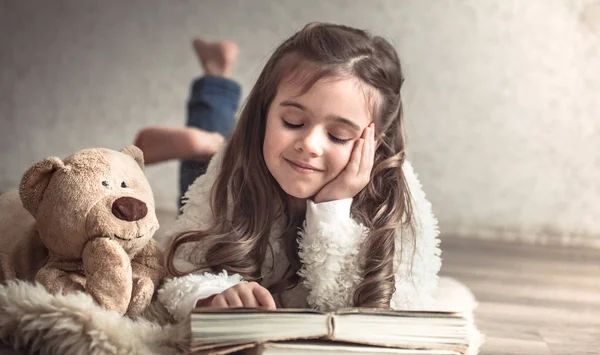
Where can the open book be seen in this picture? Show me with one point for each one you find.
(423, 332)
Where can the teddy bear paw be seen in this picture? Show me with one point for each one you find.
(141, 295)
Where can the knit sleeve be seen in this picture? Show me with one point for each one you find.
(328, 248)
(180, 294)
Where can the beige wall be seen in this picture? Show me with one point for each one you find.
(502, 97)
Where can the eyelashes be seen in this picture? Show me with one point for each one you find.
(333, 138)
(291, 126)
(336, 140)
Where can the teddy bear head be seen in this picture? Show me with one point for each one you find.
(94, 193)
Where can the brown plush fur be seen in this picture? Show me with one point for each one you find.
(85, 223)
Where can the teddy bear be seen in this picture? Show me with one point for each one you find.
(85, 223)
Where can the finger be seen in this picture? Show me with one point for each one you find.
(264, 298)
(368, 154)
(248, 299)
(354, 164)
(233, 299)
(365, 133)
(219, 302)
(364, 157)
(206, 302)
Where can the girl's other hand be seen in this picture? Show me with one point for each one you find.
(247, 295)
(357, 173)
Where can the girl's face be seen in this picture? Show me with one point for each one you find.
(309, 138)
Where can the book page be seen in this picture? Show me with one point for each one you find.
(331, 348)
(210, 329)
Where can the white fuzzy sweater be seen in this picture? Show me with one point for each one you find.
(329, 245)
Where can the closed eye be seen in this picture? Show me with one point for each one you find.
(337, 140)
(333, 138)
(291, 126)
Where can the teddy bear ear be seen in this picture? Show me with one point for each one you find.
(36, 180)
(136, 153)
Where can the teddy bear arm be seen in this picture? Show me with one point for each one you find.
(56, 280)
(149, 262)
(107, 268)
(141, 295)
(148, 271)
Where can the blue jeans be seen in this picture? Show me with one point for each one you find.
(211, 107)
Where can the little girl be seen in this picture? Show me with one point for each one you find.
(311, 202)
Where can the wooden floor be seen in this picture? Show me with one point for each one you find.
(532, 299)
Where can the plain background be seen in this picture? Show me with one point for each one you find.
(502, 97)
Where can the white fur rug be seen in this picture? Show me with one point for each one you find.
(34, 321)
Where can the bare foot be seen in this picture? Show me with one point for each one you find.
(216, 58)
(166, 143)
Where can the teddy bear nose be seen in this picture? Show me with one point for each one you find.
(129, 209)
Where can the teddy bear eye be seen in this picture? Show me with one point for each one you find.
(104, 183)
(123, 185)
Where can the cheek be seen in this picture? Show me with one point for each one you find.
(338, 159)
(277, 139)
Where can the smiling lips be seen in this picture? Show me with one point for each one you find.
(303, 168)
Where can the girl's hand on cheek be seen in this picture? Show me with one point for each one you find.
(247, 295)
(357, 173)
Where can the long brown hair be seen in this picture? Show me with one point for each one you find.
(245, 198)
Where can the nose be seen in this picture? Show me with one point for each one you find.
(129, 209)
(310, 143)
